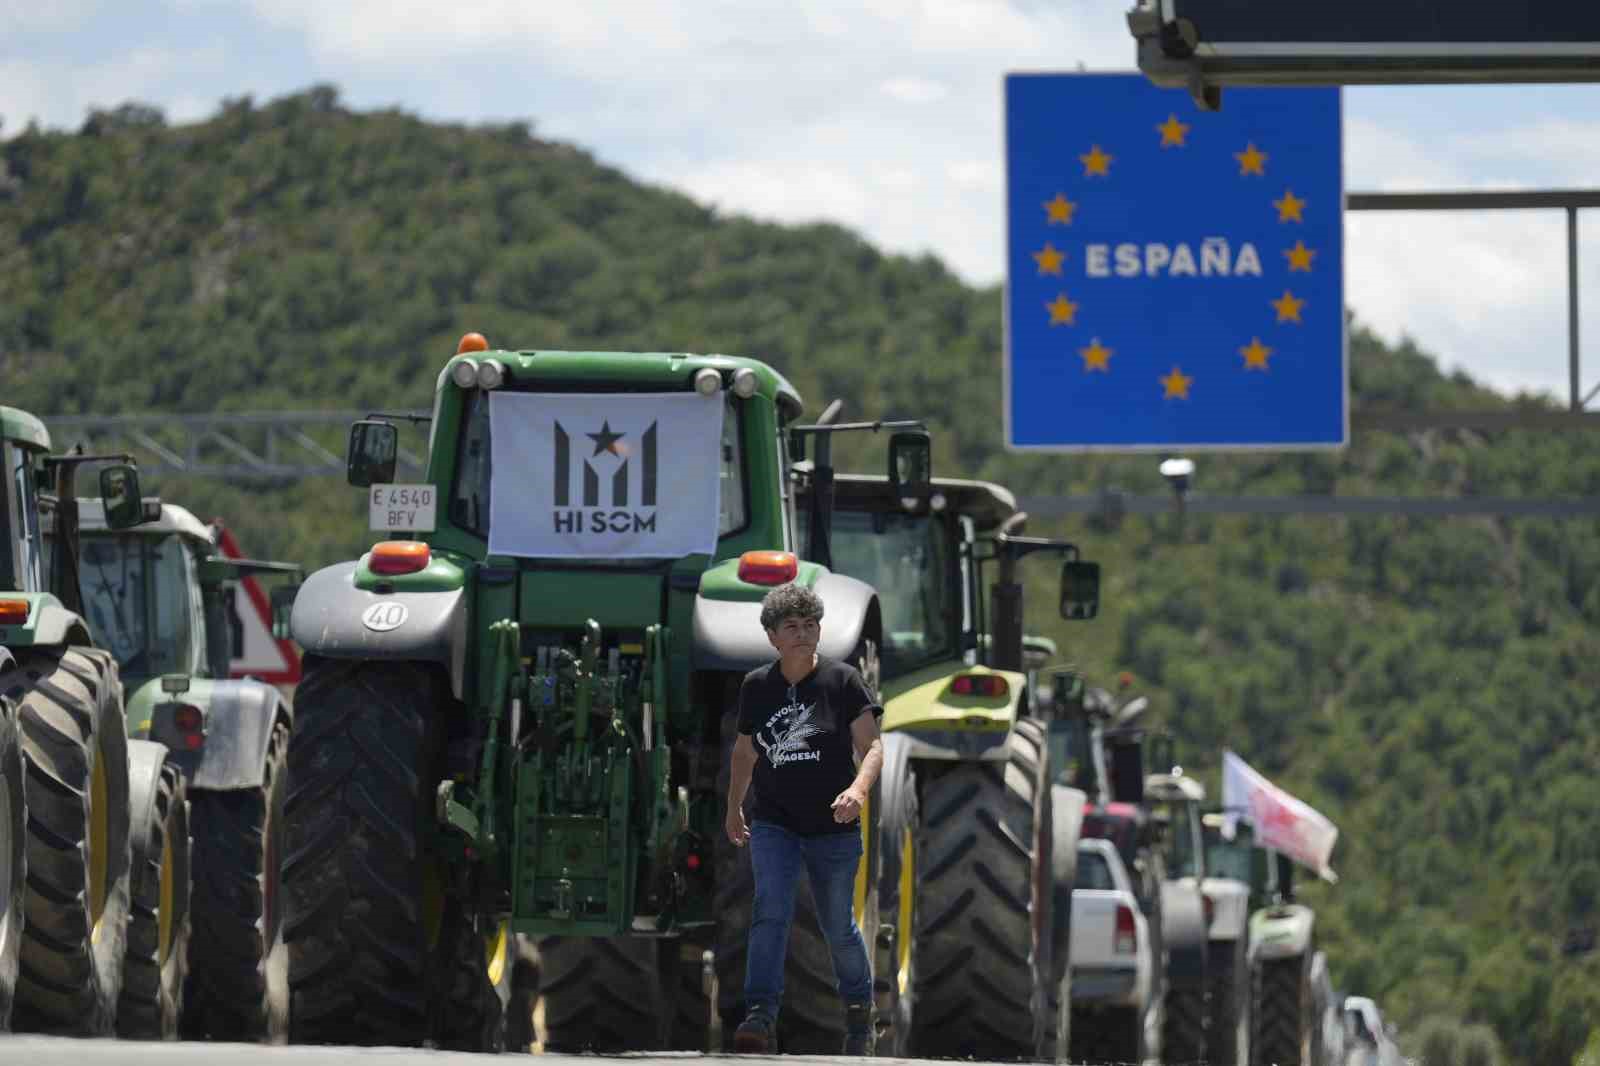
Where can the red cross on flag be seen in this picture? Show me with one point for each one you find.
(1281, 821)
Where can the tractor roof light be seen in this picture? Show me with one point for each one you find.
(399, 557)
(707, 382)
(13, 612)
(472, 342)
(744, 383)
(465, 373)
(768, 567)
(491, 374)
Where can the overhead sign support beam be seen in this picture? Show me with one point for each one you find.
(1206, 45)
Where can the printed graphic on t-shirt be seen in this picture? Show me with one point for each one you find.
(783, 737)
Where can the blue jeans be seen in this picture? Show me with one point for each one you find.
(830, 860)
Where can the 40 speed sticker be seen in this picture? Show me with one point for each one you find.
(383, 616)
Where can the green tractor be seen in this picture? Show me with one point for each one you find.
(96, 940)
(515, 719)
(980, 830)
(156, 596)
(1284, 1022)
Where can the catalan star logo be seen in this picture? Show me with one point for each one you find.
(1096, 162)
(1173, 132)
(1049, 259)
(1288, 307)
(1176, 384)
(1289, 207)
(605, 440)
(1252, 160)
(1062, 310)
(1059, 210)
(1300, 256)
(1255, 354)
(1096, 357)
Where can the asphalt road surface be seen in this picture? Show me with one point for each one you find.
(57, 1051)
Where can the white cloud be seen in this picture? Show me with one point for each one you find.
(913, 90)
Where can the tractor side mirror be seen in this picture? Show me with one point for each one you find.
(373, 447)
(282, 606)
(119, 495)
(911, 464)
(1080, 590)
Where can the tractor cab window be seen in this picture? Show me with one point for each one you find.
(1182, 856)
(469, 497)
(1230, 860)
(22, 522)
(907, 558)
(136, 598)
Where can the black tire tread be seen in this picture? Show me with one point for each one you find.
(1183, 1027)
(473, 1017)
(982, 867)
(69, 703)
(152, 1002)
(1226, 969)
(359, 786)
(1278, 1012)
(602, 994)
(13, 837)
(1106, 1036)
(229, 986)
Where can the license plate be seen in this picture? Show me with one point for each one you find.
(403, 507)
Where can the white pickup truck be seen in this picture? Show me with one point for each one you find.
(1116, 1014)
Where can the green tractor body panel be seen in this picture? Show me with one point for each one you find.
(48, 624)
(588, 692)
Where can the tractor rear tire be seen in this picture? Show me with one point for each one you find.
(1228, 970)
(984, 927)
(159, 919)
(362, 766)
(602, 994)
(237, 960)
(75, 741)
(894, 987)
(1280, 1012)
(1114, 1036)
(1183, 1030)
(684, 980)
(474, 971)
(13, 856)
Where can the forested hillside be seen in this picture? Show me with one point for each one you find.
(1428, 683)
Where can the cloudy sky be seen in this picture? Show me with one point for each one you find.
(882, 115)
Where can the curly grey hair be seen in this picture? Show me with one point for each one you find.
(789, 601)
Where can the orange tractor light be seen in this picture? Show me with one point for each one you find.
(472, 342)
(768, 567)
(399, 557)
(13, 612)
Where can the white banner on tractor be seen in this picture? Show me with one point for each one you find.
(608, 476)
(1281, 821)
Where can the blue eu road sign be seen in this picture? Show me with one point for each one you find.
(1174, 277)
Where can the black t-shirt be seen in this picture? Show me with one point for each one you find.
(804, 754)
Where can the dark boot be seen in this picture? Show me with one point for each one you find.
(858, 1034)
(754, 1035)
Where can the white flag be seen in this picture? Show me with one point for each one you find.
(1281, 821)
(604, 476)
